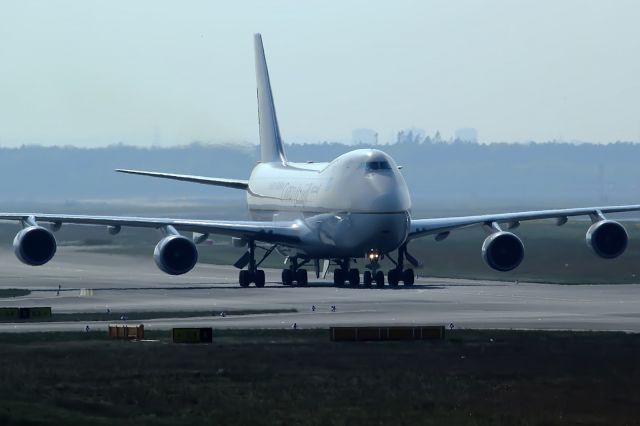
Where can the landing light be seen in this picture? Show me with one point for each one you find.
(373, 255)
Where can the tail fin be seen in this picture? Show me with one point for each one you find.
(271, 148)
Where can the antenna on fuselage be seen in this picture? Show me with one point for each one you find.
(271, 148)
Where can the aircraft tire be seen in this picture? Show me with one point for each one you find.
(379, 279)
(244, 278)
(338, 277)
(367, 279)
(408, 277)
(354, 277)
(259, 278)
(393, 277)
(302, 277)
(287, 277)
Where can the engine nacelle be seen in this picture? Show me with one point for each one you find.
(502, 251)
(607, 238)
(34, 245)
(175, 255)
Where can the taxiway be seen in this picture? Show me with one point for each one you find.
(133, 284)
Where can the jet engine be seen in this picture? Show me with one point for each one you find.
(607, 238)
(175, 255)
(34, 245)
(502, 251)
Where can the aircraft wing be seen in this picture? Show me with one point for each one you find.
(424, 227)
(229, 183)
(272, 232)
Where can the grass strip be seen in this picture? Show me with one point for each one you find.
(147, 315)
(13, 292)
(263, 377)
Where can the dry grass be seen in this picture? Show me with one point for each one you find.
(299, 377)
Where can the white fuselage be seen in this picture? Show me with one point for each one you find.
(355, 203)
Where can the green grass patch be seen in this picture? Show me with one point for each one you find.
(147, 315)
(300, 377)
(13, 292)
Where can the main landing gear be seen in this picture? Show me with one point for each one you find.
(252, 274)
(373, 275)
(343, 274)
(247, 277)
(369, 278)
(351, 276)
(294, 275)
(407, 276)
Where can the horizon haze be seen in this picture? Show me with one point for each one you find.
(159, 73)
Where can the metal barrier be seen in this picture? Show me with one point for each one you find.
(192, 335)
(41, 312)
(126, 332)
(38, 312)
(7, 314)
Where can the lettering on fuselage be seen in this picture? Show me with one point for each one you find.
(299, 194)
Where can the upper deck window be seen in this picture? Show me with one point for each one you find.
(378, 165)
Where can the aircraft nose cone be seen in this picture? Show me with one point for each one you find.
(384, 231)
(381, 193)
(391, 201)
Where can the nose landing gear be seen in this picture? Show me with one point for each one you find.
(374, 275)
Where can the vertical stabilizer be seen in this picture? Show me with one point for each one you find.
(271, 149)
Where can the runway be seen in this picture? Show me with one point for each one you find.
(132, 284)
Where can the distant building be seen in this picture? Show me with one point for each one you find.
(364, 136)
(467, 134)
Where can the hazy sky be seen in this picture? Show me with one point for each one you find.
(170, 72)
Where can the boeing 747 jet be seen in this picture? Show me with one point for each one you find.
(354, 207)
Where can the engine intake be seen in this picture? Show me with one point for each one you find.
(607, 238)
(34, 245)
(502, 251)
(175, 255)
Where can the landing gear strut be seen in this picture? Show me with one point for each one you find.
(407, 276)
(252, 274)
(343, 274)
(294, 274)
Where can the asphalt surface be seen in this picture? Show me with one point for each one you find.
(132, 284)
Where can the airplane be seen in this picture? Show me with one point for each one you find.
(357, 206)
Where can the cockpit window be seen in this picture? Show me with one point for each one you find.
(378, 165)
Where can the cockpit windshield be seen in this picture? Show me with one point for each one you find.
(377, 165)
